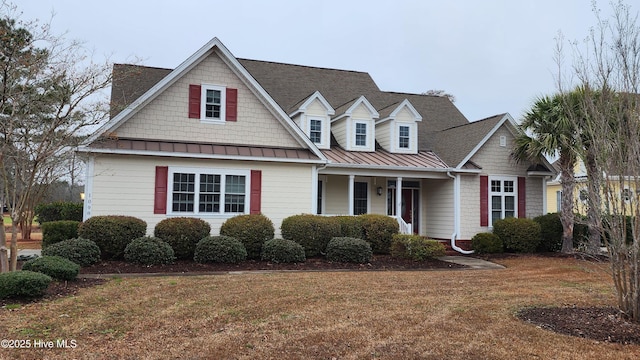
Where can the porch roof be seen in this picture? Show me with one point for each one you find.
(382, 158)
(194, 149)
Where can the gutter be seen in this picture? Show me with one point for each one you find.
(456, 214)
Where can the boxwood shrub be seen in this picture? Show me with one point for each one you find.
(23, 284)
(378, 230)
(486, 243)
(550, 232)
(351, 250)
(220, 249)
(283, 251)
(182, 233)
(416, 247)
(58, 211)
(518, 235)
(112, 233)
(350, 226)
(313, 232)
(56, 231)
(83, 252)
(55, 266)
(148, 250)
(252, 230)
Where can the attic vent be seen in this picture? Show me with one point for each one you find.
(503, 141)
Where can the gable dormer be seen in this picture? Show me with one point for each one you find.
(397, 130)
(313, 116)
(354, 125)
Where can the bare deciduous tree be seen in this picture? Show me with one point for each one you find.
(49, 94)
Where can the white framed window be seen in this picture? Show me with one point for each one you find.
(200, 191)
(315, 130)
(212, 104)
(361, 134)
(404, 138)
(503, 193)
(626, 195)
(360, 197)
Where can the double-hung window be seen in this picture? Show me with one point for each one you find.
(315, 131)
(361, 134)
(403, 137)
(208, 191)
(503, 195)
(213, 103)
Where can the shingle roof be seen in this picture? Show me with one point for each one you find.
(454, 144)
(289, 85)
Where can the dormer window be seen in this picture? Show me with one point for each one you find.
(361, 134)
(403, 137)
(315, 130)
(212, 105)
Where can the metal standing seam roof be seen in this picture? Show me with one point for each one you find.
(202, 149)
(421, 160)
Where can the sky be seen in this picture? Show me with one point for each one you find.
(493, 56)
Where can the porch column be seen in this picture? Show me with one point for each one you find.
(352, 179)
(399, 197)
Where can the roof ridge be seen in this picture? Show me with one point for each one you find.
(144, 66)
(477, 121)
(304, 66)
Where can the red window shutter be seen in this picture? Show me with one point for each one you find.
(484, 201)
(522, 197)
(194, 101)
(231, 105)
(256, 191)
(160, 197)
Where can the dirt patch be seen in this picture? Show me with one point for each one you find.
(378, 262)
(597, 323)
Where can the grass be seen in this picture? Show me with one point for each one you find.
(343, 315)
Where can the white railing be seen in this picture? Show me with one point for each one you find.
(405, 228)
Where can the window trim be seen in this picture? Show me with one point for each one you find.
(366, 181)
(502, 194)
(322, 130)
(367, 134)
(208, 171)
(203, 104)
(400, 137)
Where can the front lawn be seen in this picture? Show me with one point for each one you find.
(452, 314)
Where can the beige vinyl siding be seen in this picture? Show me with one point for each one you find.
(166, 117)
(383, 134)
(337, 192)
(125, 186)
(339, 130)
(535, 197)
(470, 207)
(437, 208)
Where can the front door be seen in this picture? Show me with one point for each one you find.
(410, 201)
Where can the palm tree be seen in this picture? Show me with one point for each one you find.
(552, 133)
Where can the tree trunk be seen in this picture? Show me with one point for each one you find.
(594, 219)
(13, 262)
(4, 258)
(567, 180)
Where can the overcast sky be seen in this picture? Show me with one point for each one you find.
(494, 56)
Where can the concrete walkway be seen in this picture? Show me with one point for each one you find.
(473, 263)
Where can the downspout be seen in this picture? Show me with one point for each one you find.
(456, 214)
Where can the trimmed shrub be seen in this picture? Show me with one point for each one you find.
(283, 251)
(56, 231)
(550, 232)
(182, 233)
(83, 252)
(112, 233)
(416, 247)
(55, 266)
(518, 234)
(350, 226)
(220, 249)
(486, 243)
(351, 250)
(58, 211)
(313, 232)
(378, 230)
(252, 230)
(23, 284)
(149, 250)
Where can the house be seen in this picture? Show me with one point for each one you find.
(220, 136)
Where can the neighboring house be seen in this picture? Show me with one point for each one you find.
(220, 136)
